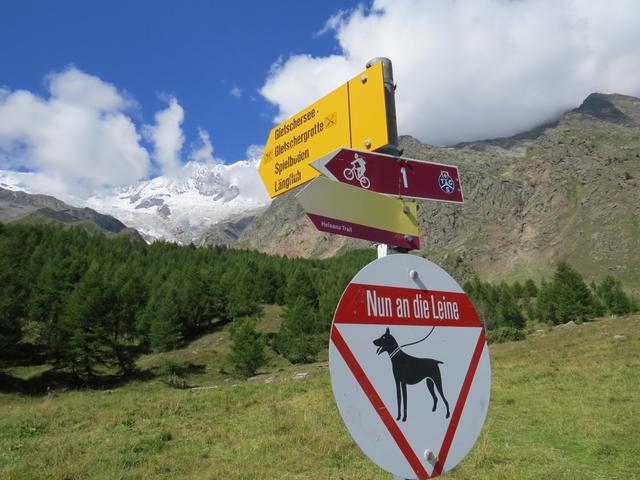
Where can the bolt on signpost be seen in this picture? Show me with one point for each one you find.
(408, 359)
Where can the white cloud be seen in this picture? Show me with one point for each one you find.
(236, 92)
(167, 137)
(334, 22)
(204, 153)
(79, 141)
(76, 140)
(254, 152)
(86, 91)
(473, 69)
(246, 177)
(302, 79)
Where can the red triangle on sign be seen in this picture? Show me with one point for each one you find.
(376, 380)
(389, 420)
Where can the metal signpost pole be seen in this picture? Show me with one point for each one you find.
(392, 127)
(390, 102)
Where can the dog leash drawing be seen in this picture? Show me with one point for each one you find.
(392, 354)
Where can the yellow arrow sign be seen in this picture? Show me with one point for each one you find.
(334, 207)
(353, 115)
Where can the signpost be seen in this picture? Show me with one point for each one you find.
(392, 175)
(409, 363)
(353, 115)
(354, 212)
(409, 366)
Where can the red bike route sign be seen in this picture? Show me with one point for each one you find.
(410, 367)
(401, 177)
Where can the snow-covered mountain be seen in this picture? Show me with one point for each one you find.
(177, 209)
(180, 209)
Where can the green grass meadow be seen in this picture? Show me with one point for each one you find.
(565, 405)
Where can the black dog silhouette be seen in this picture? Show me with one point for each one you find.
(408, 370)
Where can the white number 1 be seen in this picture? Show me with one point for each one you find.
(404, 177)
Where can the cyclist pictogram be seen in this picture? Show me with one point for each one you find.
(357, 170)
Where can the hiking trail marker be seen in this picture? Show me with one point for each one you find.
(345, 210)
(391, 175)
(353, 115)
(409, 366)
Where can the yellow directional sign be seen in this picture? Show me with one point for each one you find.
(353, 115)
(335, 207)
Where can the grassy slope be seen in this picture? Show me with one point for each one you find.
(564, 406)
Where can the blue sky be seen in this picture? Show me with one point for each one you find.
(97, 94)
(198, 51)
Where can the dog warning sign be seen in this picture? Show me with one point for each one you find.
(409, 366)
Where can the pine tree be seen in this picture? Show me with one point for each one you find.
(10, 328)
(298, 339)
(508, 311)
(328, 299)
(517, 290)
(546, 302)
(574, 300)
(247, 347)
(530, 290)
(163, 319)
(11, 310)
(567, 297)
(483, 300)
(83, 325)
(613, 297)
(300, 287)
(240, 296)
(129, 295)
(241, 303)
(52, 286)
(12, 292)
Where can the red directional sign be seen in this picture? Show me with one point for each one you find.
(409, 366)
(391, 175)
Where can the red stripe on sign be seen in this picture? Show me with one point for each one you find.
(378, 404)
(355, 230)
(378, 305)
(407, 322)
(457, 411)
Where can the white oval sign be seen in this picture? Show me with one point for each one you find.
(410, 366)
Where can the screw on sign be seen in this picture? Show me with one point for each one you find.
(410, 366)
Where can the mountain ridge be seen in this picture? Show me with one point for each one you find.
(564, 191)
(21, 207)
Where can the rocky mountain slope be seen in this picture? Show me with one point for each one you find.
(564, 191)
(21, 207)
